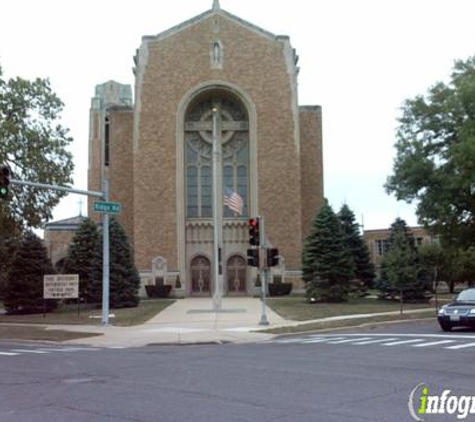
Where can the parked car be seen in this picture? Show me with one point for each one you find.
(459, 313)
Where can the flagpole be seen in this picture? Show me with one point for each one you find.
(217, 212)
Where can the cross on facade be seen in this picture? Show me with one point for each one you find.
(226, 125)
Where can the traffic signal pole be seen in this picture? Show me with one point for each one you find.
(264, 270)
(105, 233)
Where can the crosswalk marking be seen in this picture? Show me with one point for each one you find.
(433, 343)
(46, 350)
(397, 343)
(461, 346)
(348, 340)
(447, 342)
(379, 340)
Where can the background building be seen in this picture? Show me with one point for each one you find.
(377, 241)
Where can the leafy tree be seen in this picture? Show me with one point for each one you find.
(124, 277)
(84, 257)
(463, 270)
(400, 267)
(33, 143)
(435, 164)
(364, 269)
(432, 258)
(24, 289)
(326, 262)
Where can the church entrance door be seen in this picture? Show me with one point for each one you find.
(236, 269)
(200, 276)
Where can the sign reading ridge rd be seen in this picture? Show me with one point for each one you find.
(107, 207)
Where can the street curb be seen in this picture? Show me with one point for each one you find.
(349, 327)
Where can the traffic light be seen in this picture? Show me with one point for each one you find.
(254, 231)
(272, 257)
(253, 257)
(4, 180)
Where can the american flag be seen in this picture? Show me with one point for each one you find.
(233, 201)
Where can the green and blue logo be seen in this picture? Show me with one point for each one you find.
(421, 403)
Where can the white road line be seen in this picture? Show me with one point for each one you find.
(380, 340)
(396, 343)
(68, 349)
(348, 340)
(461, 346)
(433, 343)
(289, 340)
(9, 354)
(28, 351)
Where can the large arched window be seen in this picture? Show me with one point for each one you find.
(235, 149)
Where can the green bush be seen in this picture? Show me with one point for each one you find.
(158, 291)
(280, 289)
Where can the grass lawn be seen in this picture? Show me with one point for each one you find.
(296, 308)
(68, 314)
(28, 332)
(332, 325)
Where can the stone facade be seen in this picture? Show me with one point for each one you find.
(212, 57)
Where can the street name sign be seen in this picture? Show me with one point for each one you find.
(61, 286)
(107, 207)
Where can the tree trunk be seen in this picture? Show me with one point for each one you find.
(401, 300)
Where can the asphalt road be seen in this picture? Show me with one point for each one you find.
(326, 377)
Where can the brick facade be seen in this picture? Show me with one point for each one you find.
(146, 172)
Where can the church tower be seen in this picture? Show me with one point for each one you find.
(271, 150)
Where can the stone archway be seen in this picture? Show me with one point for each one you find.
(200, 269)
(236, 270)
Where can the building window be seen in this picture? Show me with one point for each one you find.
(381, 246)
(235, 155)
(106, 141)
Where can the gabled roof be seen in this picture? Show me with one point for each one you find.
(68, 224)
(214, 11)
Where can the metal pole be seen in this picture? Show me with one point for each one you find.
(217, 211)
(105, 225)
(263, 270)
(57, 187)
(105, 259)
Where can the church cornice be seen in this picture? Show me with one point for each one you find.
(216, 10)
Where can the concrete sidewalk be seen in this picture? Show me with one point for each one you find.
(188, 321)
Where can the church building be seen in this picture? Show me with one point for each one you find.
(219, 81)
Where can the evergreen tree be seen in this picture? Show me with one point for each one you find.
(124, 277)
(400, 266)
(24, 289)
(326, 262)
(84, 257)
(364, 269)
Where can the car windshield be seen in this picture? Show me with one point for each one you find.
(467, 296)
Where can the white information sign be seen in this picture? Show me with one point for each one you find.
(61, 286)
